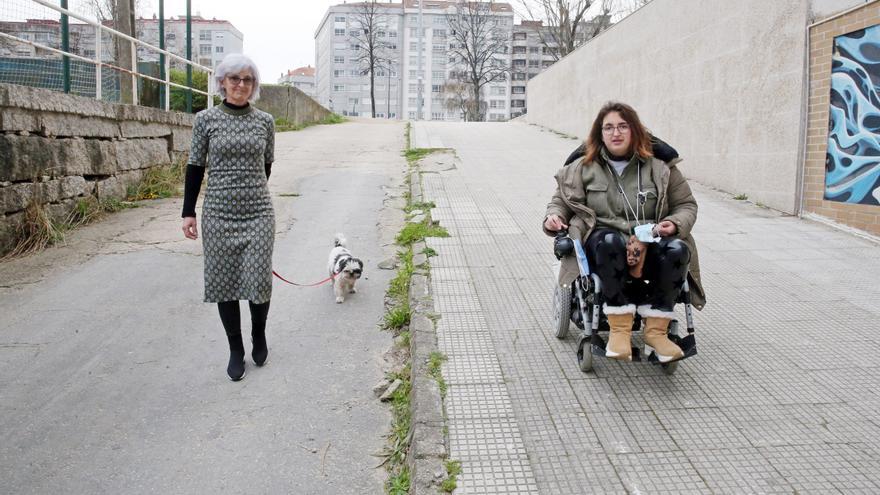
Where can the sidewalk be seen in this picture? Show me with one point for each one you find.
(782, 396)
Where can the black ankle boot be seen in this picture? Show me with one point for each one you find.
(235, 369)
(261, 350)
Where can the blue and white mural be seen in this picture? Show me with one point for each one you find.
(852, 164)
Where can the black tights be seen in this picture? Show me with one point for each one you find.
(230, 315)
(666, 266)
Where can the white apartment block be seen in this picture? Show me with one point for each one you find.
(212, 39)
(414, 88)
(529, 57)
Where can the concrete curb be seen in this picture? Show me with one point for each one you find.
(427, 451)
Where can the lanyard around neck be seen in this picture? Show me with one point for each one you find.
(641, 195)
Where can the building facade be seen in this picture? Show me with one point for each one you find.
(302, 78)
(212, 39)
(420, 45)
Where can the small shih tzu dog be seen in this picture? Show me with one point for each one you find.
(344, 268)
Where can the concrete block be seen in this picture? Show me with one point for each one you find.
(16, 120)
(181, 138)
(141, 153)
(67, 125)
(9, 227)
(426, 476)
(421, 324)
(428, 442)
(60, 212)
(16, 197)
(111, 187)
(71, 186)
(138, 129)
(25, 157)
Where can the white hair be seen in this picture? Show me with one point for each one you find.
(234, 63)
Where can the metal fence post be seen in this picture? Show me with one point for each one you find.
(99, 83)
(134, 70)
(65, 46)
(162, 73)
(189, 69)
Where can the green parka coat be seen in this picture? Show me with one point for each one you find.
(675, 203)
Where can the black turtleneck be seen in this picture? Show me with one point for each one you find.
(194, 176)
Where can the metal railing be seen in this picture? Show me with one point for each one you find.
(16, 32)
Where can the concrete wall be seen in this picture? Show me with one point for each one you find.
(821, 9)
(722, 81)
(841, 174)
(290, 103)
(57, 149)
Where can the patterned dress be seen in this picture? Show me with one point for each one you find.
(238, 221)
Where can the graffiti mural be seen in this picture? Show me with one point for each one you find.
(852, 163)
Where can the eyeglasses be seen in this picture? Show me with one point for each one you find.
(621, 128)
(235, 80)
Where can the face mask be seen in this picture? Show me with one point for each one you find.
(645, 232)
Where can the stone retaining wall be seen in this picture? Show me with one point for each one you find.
(57, 149)
(291, 104)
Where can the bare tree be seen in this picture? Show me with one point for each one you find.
(459, 96)
(370, 23)
(479, 48)
(566, 24)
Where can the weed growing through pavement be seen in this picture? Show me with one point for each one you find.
(453, 469)
(289, 195)
(741, 197)
(415, 232)
(435, 362)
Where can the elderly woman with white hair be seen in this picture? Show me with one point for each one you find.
(235, 143)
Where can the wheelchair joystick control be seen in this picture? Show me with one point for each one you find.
(562, 244)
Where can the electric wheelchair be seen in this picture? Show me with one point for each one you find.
(581, 303)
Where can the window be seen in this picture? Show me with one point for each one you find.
(204, 49)
(413, 101)
(339, 32)
(439, 60)
(392, 34)
(354, 73)
(413, 74)
(413, 45)
(355, 46)
(353, 101)
(354, 32)
(435, 88)
(534, 64)
(439, 33)
(412, 115)
(218, 49)
(381, 34)
(497, 104)
(436, 115)
(437, 74)
(218, 36)
(338, 59)
(204, 35)
(439, 48)
(519, 49)
(498, 91)
(520, 36)
(439, 20)
(519, 76)
(519, 62)
(339, 73)
(517, 103)
(518, 90)
(413, 88)
(532, 49)
(339, 19)
(338, 87)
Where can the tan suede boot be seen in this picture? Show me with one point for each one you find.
(620, 339)
(655, 336)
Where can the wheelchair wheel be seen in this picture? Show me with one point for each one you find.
(561, 311)
(585, 356)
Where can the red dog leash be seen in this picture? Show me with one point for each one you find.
(331, 277)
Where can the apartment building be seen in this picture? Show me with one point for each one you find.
(212, 39)
(302, 78)
(421, 39)
(530, 55)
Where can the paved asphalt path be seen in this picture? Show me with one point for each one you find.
(113, 368)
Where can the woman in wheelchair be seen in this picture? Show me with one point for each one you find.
(620, 188)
